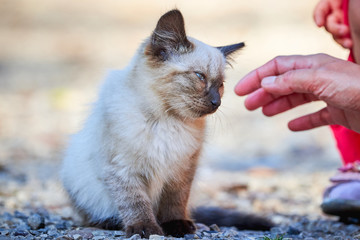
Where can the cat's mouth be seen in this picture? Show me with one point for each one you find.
(202, 111)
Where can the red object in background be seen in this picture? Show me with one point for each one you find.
(348, 141)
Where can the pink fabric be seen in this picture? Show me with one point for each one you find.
(348, 141)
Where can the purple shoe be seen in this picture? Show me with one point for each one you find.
(343, 197)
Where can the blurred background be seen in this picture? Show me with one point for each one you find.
(54, 55)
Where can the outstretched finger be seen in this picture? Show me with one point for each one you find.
(286, 103)
(310, 121)
(252, 81)
(297, 81)
(276, 66)
(258, 99)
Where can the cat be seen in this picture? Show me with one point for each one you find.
(133, 163)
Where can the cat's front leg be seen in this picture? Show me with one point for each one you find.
(135, 208)
(173, 212)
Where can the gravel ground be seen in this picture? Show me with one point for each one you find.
(33, 206)
(42, 225)
(250, 162)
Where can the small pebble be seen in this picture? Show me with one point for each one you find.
(119, 233)
(197, 236)
(189, 236)
(337, 238)
(215, 227)
(4, 232)
(98, 237)
(83, 233)
(206, 234)
(230, 233)
(277, 230)
(63, 238)
(293, 231)
(77, 236)
(206, 238)
(61, 226)
(202, 227)
(21, 215)
(352, 228)
(21, 233)
(99, 233)
(135, 237)
(7, 216)
(340, 233)
(156, 237)
(35, 221)
(52, 233)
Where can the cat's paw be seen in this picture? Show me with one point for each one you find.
(178, 228)
(143, 229)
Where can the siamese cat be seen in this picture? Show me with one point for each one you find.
(132, 165)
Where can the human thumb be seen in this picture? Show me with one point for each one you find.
(275, 85)
(300, 81)
(268, 81)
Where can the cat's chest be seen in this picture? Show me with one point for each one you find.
(156, 147)
(173, 141)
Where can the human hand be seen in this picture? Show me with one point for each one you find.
(289, 81)
(329, 14)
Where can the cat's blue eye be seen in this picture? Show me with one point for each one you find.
(200, 76)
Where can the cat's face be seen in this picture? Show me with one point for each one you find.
(192, 85)
(192, 72)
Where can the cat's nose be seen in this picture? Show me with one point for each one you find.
(215, 98)
(215, 103)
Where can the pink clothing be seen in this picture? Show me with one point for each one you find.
(348, 141)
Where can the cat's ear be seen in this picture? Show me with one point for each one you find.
(169, 36)
(227, 51)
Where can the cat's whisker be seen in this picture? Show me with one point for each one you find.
(220, 116)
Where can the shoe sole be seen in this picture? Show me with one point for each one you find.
(341, 207)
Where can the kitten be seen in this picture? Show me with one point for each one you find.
(133, 163)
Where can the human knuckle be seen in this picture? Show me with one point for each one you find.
(279, 58)
(287, 77)
(321, 55)
(324, 117)
(315, 82)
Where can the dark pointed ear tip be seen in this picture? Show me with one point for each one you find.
(170, 36)
(230, 49)
(170, 19)
(238, 45)
(172, 13)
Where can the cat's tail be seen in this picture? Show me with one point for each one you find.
(230, 218)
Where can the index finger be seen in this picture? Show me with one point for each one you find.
(277, 66)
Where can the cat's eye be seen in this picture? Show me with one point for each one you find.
(201, 76)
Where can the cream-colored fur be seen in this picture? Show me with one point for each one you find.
(145, 133)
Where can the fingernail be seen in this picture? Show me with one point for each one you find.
(268, 81)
